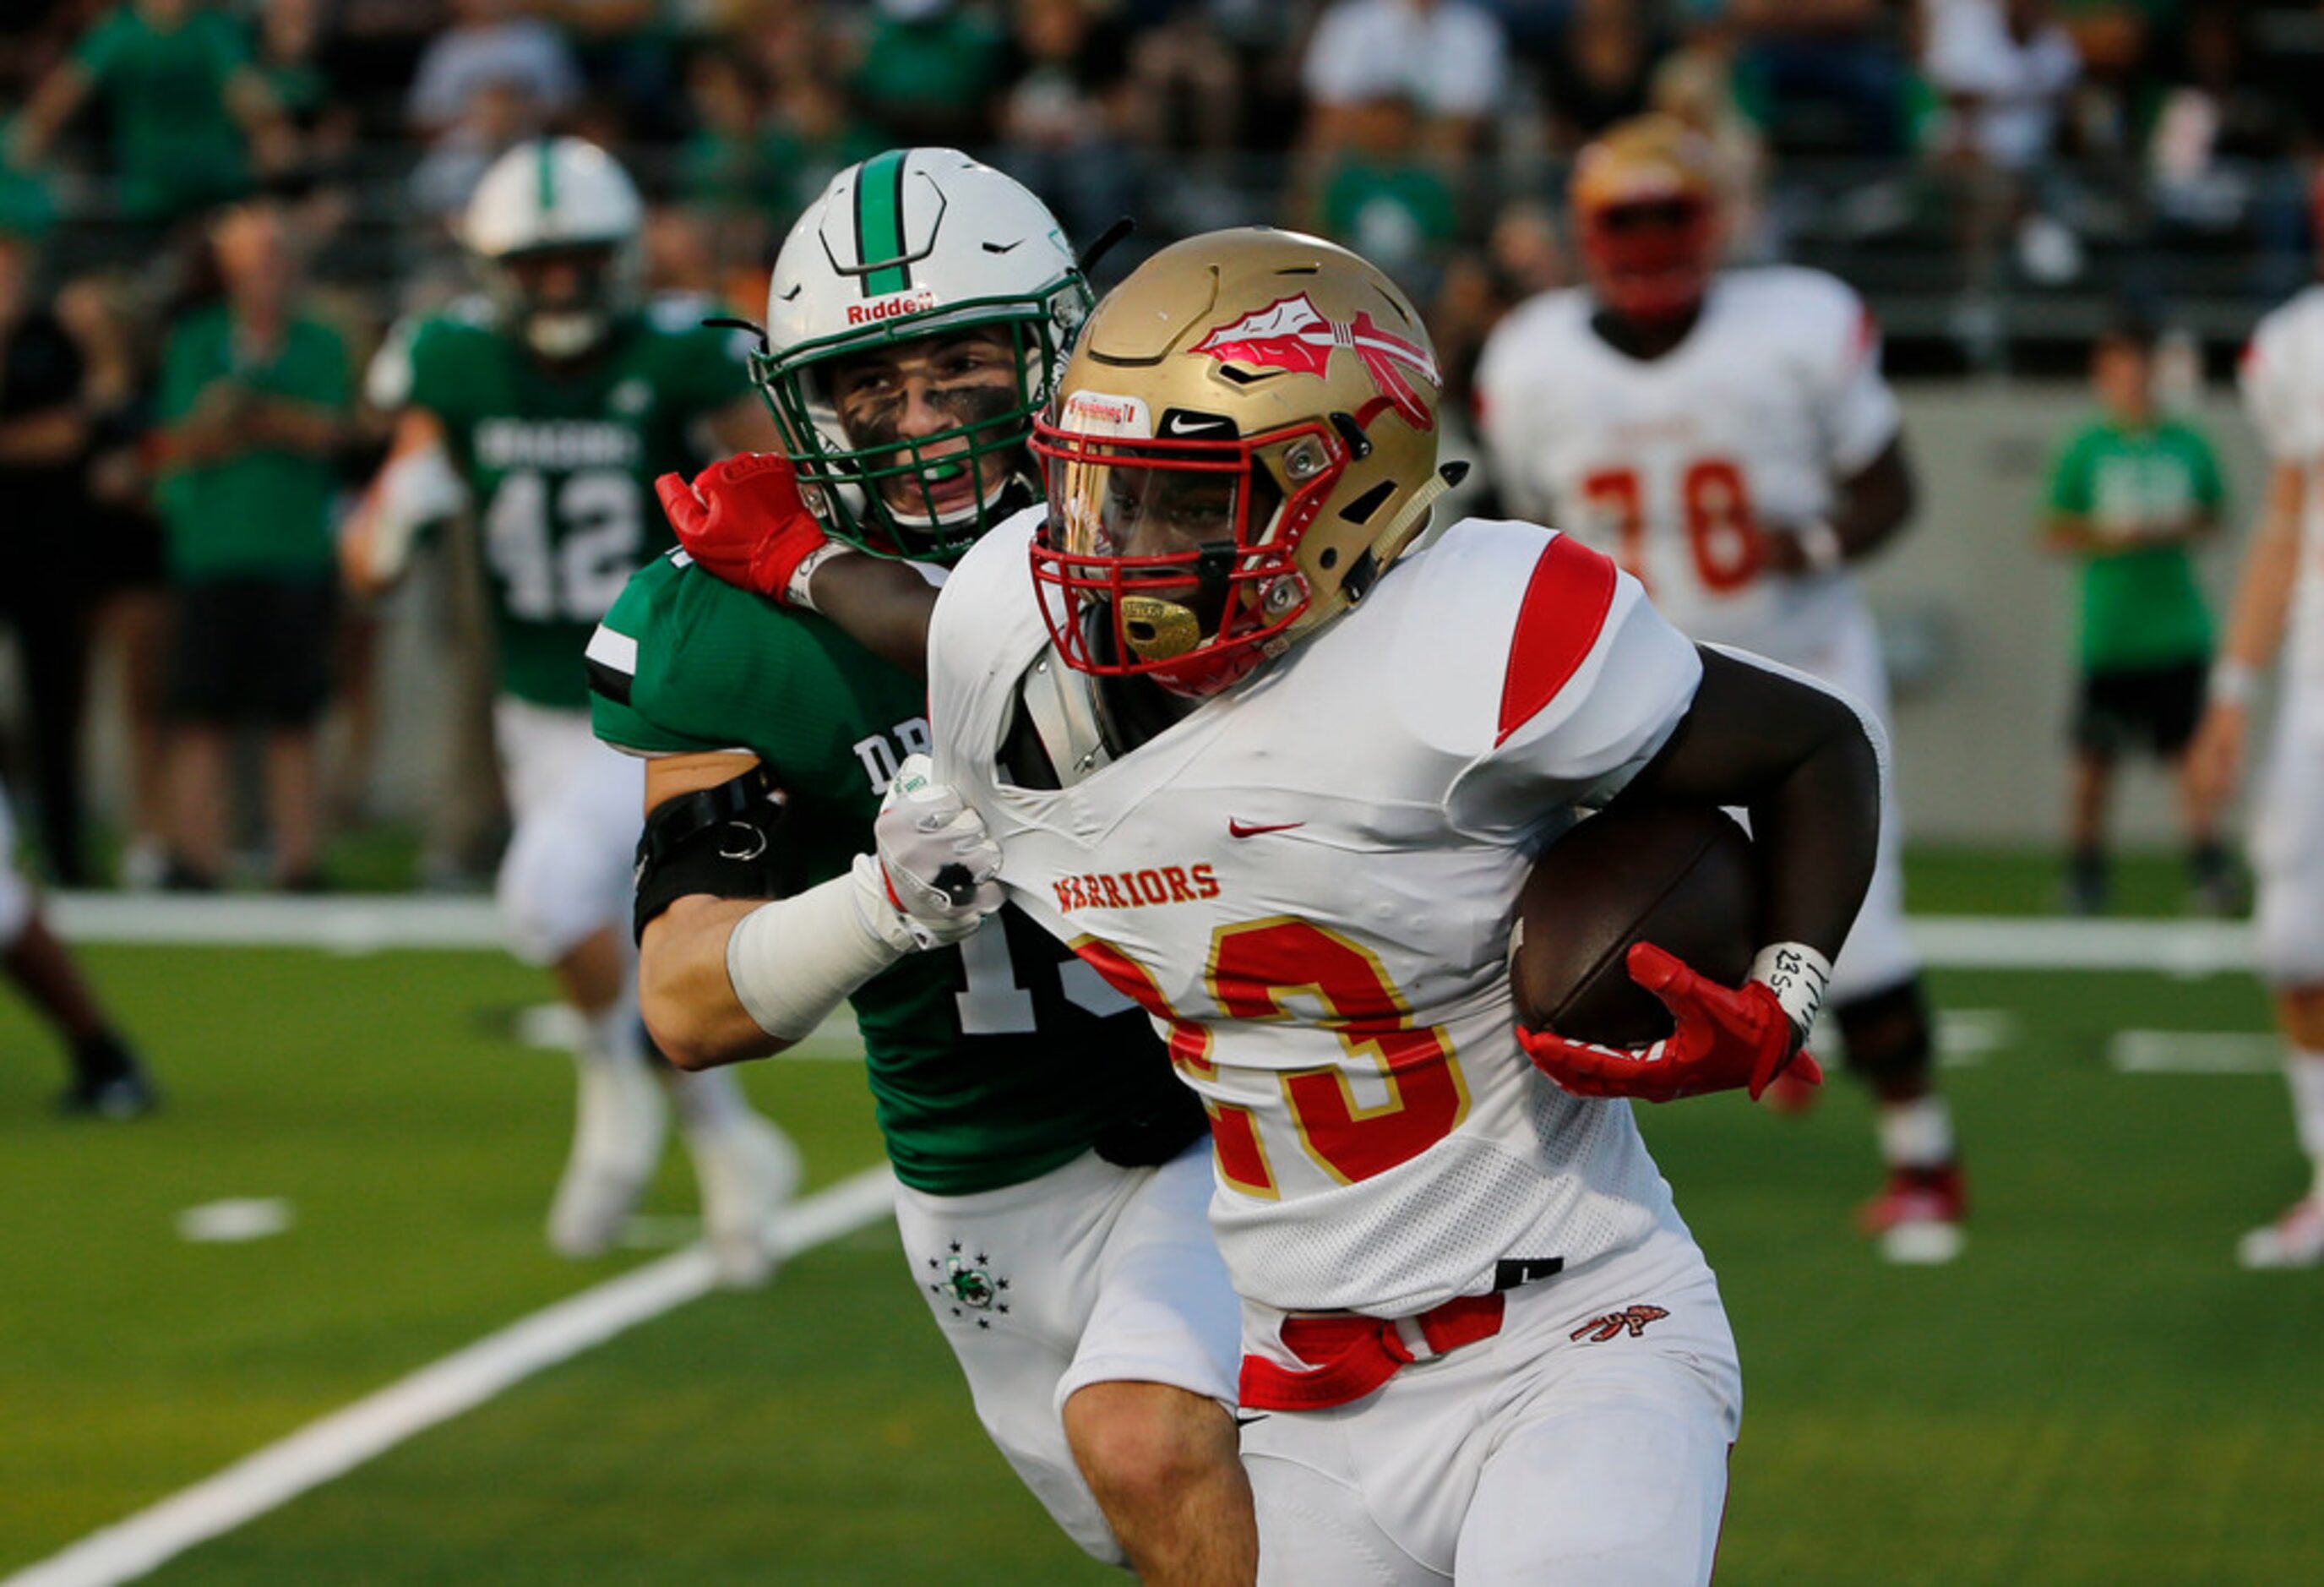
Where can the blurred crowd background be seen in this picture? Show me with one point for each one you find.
(2000, 178)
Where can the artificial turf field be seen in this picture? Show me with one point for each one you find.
(2092, 1394)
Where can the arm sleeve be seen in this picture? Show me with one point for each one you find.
(2274, 376)
(623, 710)
(1855, 410)
(1596, 681)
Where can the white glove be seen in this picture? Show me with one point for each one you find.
(933, 878)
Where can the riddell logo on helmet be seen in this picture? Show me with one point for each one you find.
(1291, 333)
(892, 308)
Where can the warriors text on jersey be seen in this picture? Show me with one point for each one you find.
(561, 466)
(1310, 882)
(2284, 389)
(1670, 465)
(991, 1064)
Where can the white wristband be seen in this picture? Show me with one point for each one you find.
(795, 593)
(1797, 974)
(791, 961)
(2232, 682)
(1820, 544)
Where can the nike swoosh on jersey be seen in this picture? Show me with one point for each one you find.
(1252, 828)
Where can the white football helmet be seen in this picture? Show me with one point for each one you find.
(565, 198)
(908, 245)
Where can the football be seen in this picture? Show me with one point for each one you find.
(1683, 877)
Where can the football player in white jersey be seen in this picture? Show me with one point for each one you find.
(1476, 1330)
(2280, 605)
(1726, 437)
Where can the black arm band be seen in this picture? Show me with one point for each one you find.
(723, 841)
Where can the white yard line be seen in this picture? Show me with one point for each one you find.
(436, 1393)
(2195, 1052)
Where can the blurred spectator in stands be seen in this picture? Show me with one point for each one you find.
(1523, 247)
(289, 62)
(256, 401)
(371, 54)
(739, 170)
(2118, 43)
(1384, 199)
(1827, 76)
(129, 579)
(928, 72)
(43, 596)
(1066, 107)
(2004, 69)
(1448, 57)
(1186, 83)
(186, 113)
(2128, 494)
(814, 110)
(500, 113)
(1596, 68)
(628, 52)
(1697, 83)
(491, 44)
(2213, 157)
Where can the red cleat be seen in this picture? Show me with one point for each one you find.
(1918, 1218)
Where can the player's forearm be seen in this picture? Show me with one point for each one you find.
(1875, 503)
(2263, 594)
(1807, 768)
(51, 436)
(683, 990)
(884, 605)
(298, 427)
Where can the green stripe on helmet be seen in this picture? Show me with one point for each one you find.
(879, 222)
(544, 172)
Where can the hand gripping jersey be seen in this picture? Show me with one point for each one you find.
(991, 1064)
(561, 466)
(2283, 388)
(1669, 466)
(1310, 882)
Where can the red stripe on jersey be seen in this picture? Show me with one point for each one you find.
(1565, 606)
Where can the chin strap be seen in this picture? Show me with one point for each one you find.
(1394, 540)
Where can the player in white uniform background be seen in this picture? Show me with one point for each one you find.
(1727, 437)
(2280, 607)
(1475, 1328)
(552, 403)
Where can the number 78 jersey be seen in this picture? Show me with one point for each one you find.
(561, 466)
(1673, 465)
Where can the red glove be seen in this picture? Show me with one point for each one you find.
(1725, 1038)
(743, 520)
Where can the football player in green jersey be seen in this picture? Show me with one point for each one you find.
(549, 413)
(1053, 1179)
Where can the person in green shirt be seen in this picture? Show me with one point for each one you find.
(254, 405)
(546, 408)
(186, 106)
(1052, 1170)
(2130, 492)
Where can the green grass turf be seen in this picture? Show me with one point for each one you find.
(2092, 1394)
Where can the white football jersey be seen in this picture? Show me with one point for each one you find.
(2283, 388)
(1310, 881)
(1669, 466)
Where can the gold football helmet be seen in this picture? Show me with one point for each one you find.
(1645, 197)
(1243, 441)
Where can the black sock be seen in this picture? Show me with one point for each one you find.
(99, 1058)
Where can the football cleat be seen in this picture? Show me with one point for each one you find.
(748, 1170)
(121, 1095)
(617, 1138)
(2295, 1240)
(1917, 1219)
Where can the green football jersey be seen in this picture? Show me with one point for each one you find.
(991, 1064)
(561, 464)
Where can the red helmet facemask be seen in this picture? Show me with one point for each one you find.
(1175, 559)
(1650, 258)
